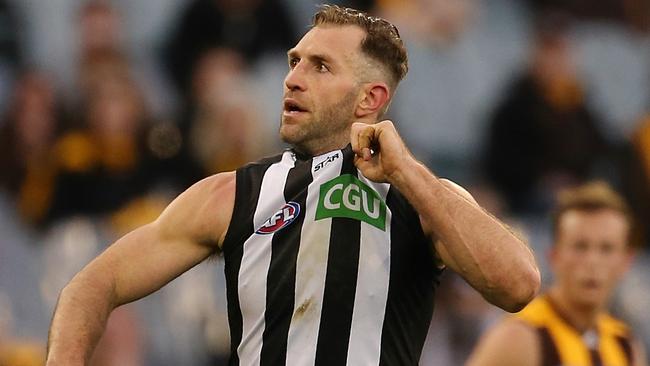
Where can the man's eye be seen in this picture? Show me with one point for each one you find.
(322, 68)
(293, 62)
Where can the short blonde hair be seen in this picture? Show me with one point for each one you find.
(589, 197)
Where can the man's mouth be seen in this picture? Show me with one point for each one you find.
(293, 106)
(590, 284)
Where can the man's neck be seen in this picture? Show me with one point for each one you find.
(581, 317)
(336, 141)
(322, 147)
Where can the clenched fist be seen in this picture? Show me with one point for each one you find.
(381, 155)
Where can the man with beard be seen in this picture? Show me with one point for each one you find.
(333, 248)
(568, 325)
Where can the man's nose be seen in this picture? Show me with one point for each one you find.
(295, 79)
(593, 257)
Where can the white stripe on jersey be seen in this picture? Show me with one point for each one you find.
(255, 263)
(311, 269)
(372, 288)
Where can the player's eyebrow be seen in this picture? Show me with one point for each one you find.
(315, 58)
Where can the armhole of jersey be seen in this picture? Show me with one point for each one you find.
(412, 218)
(237, 213)
(418, 231)
(248, 182)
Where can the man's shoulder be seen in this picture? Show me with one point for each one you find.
(202, 212)
(536, 313)
(510, 342)
(213, 184)
(215, 190)
(610, 324)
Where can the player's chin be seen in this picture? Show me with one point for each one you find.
(591, 297)
(289, 133)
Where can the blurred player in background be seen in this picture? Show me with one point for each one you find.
(569, 324)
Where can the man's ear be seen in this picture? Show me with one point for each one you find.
(374, 98)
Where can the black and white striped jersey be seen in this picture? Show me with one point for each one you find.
(325, 267)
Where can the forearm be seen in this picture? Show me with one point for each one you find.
(80, 317)
(481, 248)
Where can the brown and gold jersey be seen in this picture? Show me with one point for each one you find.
(562, 344)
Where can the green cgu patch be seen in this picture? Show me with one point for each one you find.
(347, 196)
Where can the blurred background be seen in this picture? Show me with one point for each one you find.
(108, 109)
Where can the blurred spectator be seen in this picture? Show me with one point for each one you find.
(27, 165)
(116, 148)
(99, 28)
(250, 27)
(363, 5)
(105, 153)
(9, 48)
(21, 354)
(637, 180)
(438, 22)
(100, 47)
(459, 60)
(223, 124)
(633, 301)
(543, 137)
(102, 28)
(9, 51)
(67, 247)
(122, 343)
(633, 13)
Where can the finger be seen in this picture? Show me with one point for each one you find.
(363, 136)
(354, 136)
(366, 138)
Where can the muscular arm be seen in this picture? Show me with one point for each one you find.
(188, 231)
(509, 343)
(472, 242)
(469, 240)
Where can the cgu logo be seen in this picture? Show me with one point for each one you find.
(281, 219)
(347, 196)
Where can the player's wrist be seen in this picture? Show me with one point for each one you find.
(406, 172)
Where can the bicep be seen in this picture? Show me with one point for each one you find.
(187, 232)
(510, 342)
(146, 259)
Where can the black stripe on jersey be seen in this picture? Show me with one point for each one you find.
(624, 342)
(247, 191)
(550, 355)
(595, 358)
(411, 288)
(281, 278)
(340, 284)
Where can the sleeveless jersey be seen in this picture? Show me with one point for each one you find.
(325, 267)
(562, 344)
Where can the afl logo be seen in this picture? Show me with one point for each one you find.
(281, 219)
